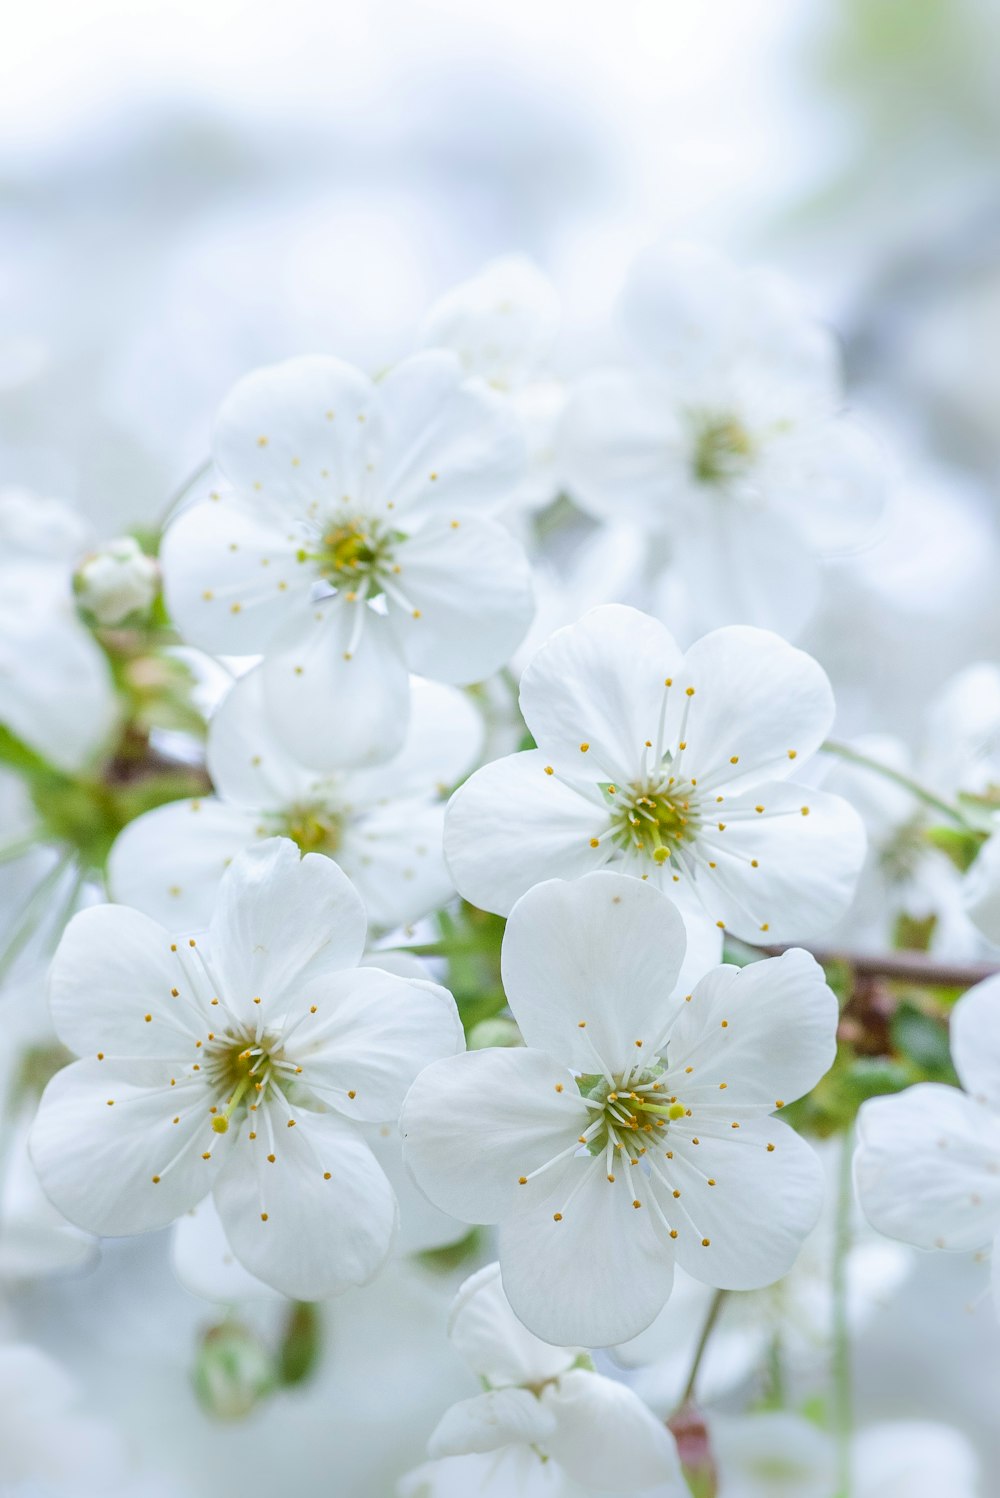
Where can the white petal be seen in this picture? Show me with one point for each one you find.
(105, 1129)
(511, 825)
(113, 967)
(394, 857)
(831, 478)
(421, 1225)
(605, 1436)
(762, 1035)
(600, 682)
(450, 443)
(497, 1346)
(468, 598)
(981, 894)
(472, 1125)
(975, 1042)
(589, 967)
(370, 1036)
(330, 1212)
(249, 764)
(758, 700)
(501, 1417)
(500, 1474)
(760, 1210)
(926, 1167)
(620, 449)
(336, 687)
(809, 847)
(169, 861)
(206, 1265)
(556, 1249)
(500, 322)
(230, 577)
(282, 923)
(298, 431)
(444, 740)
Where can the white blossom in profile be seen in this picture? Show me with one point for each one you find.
(348, 538)
(722, 438)
(241, 1064)
(634, 1129)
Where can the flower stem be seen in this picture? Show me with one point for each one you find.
(921, 792)
(843, 1397)
(714, 1311)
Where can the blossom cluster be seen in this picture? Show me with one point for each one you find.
(428, 853)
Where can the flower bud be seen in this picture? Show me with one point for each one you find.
(233, 1372)
(116, 581)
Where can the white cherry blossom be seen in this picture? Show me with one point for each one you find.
(545, 1424)
(927, 1164)
(117, 580)
(383, 825)
(634, 1130)
(240, 1064)
(672, 767)
(722, 437)
(347, 538)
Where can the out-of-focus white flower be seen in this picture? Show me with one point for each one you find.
(56, 691)
(502, 324)
(776, 1454)
(117, 580)
(241, 1069)
(724, 443)
(545, 1425)
(382, 825)
(634, 1128)
(46, 1444)
(674, 768)
(927, 1165)
(349, 540)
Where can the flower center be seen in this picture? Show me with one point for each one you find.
(654, 817)
(245, 1068)
(634, 1106)
(313, 829)
(722, 448)
(355, 554)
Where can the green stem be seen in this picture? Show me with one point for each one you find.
(921, 792)
(714, 1311)
(843, 1399)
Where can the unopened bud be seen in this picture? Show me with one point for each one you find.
(116, 581)
(493, 1032)
(233, 1372)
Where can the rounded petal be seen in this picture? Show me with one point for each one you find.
(282, 924)
(473, 1125)
(465, 598)
(764, 1034)
(112, 969)
(743, 1210)
(421, 1225)
(600, 682)
(500, 322)
(247, 760)
(108, 1153)
(230, 577)
(444, 740)
(450, 443)
(758, 701)
(511, 825)
(500, 1417)
(926, 1169)
(370, 1036)
(831, 478)
(605, 1436)
(206, 1265)
(497, 1346)
(981, 892)
(317, 1219)
(169, 861)
(783, 873)
(556, 1250)
(394, 857)
(620, 450)
(336, 687)
(296, 432)
(975, 1042)
(589, 967)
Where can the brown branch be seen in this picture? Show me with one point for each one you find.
(907, 967)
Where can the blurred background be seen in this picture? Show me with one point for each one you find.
(193, 188)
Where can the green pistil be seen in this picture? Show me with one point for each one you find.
(654, 821)
(635, 1108)
(314, 831)
(356, 555)
(722, 447)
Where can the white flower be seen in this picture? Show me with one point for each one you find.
(117, 580)
(927, 1165)
(672, 767)
(634, 1129)
(239, 1066)
(346, 540)
(502, 324)
(541, 1410)
(56, 692)
(382, 825)
(724, 441)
